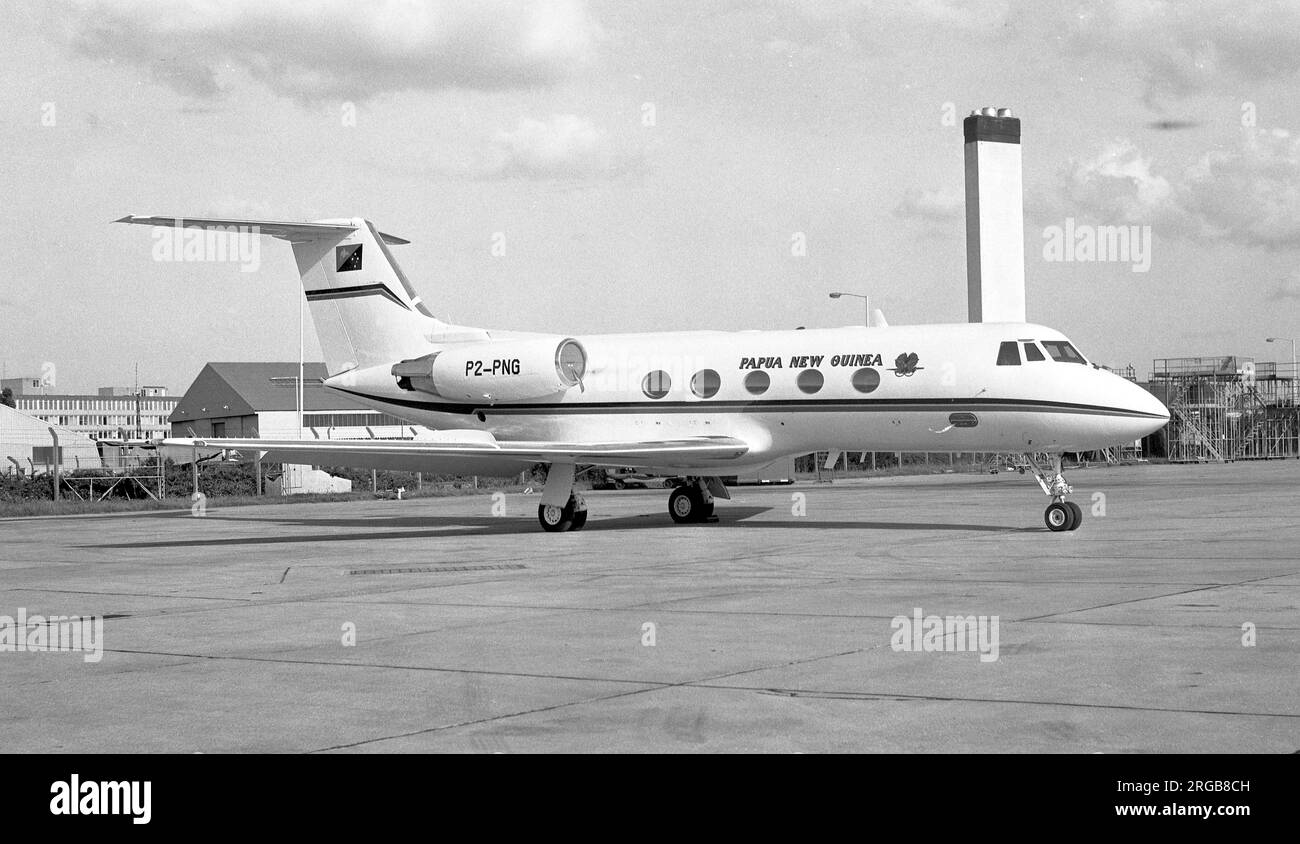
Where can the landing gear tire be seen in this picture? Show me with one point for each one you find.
(572, 516)
(1077, 512)
(555, 519)
(686, 505)
(1058, 516)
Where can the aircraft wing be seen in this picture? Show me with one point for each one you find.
(469, 456)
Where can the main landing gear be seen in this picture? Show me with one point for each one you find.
(692, 502)
(1060, 514)
(572, 516)
(562, 508)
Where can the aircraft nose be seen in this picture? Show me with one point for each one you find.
(1154, 413)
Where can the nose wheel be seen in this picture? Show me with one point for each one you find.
(1063, 515)
(1060, 515)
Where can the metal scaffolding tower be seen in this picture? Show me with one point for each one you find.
(1228, 408)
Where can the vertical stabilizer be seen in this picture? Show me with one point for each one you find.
(365, 310)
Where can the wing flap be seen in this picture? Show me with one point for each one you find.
(694, 451)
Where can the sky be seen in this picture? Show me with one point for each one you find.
(594, 167)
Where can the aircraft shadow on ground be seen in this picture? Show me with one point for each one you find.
(438, 527)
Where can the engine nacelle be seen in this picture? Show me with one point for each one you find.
(497, 370)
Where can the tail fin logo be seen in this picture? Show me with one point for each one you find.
(348, 257)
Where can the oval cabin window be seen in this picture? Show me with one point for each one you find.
(810, 381)
(656, 384)
(706, 383)
(866, 380)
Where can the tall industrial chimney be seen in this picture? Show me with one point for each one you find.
(995, 228)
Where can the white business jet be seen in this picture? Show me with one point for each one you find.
(699, 404)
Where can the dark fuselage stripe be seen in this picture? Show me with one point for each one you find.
(353, 292)
(764, 406)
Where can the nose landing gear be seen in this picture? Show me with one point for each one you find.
(1060, 515)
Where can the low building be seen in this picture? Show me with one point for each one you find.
(27, 446)
(112, 413)
(260, 400)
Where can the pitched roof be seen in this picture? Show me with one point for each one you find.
(245, 388)
(20, 427)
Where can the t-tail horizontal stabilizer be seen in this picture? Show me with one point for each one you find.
(272, 228)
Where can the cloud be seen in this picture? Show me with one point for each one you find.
(1118, 184)
(963, 15)
(1289, 288)
(188, 75)
(1185, 48)
(564, 146)
(967, 16)
(1249, 195)
(782, 46)
(247, 208)
(1177, 48)
(315, 50)
(931, 206)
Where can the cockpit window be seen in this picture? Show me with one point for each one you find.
(1032, 352)
(1008, 354)
(1063, 352)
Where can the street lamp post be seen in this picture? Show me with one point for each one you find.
(1294, 374)
(301, 397)
(866, 304)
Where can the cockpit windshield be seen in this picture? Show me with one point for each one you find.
(1062, 352)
